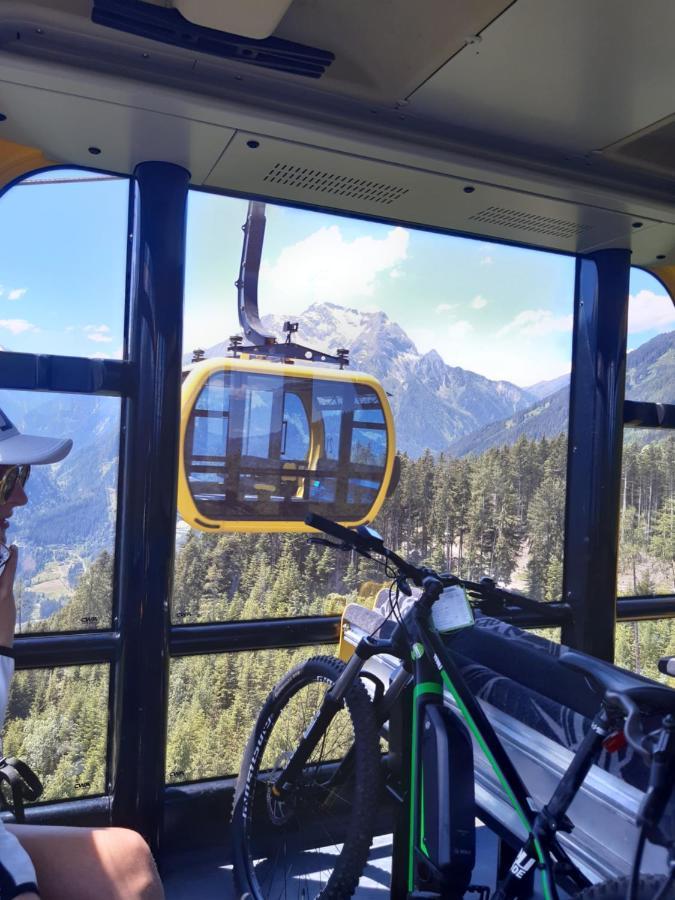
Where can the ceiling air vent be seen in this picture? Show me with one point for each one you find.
(524, 221)
(337, 185)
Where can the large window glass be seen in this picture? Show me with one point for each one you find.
(213, 703)
(63, 235)
(57, 721)
(650, 373)
(66, 532)
(472, 343)
(647, 525)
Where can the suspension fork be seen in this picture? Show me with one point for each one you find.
(332, 704)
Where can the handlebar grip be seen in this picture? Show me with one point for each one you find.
(333, 529)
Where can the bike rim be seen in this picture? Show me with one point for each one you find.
(293, 847)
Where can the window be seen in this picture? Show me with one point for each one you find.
(62, 277)
(650, 373)
(57, 721)
(213, 704)
(647, 525)
(66, 533)
(472, 342)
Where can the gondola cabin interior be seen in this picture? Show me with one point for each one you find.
(476, 200)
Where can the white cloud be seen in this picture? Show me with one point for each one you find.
(478, 302)
(487, 261)
(459, 330)
(445, 307)
(17, 326)
(648, 311)
(100, 334)
(536, 323)
(16, 293)
(328, 267)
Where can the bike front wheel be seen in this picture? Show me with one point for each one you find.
(314, 842)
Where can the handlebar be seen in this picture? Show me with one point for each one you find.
(363, 542)
(366, 544)
(346, 535)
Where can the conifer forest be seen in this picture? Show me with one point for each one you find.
(500, 513)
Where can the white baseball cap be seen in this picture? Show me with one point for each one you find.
(18, 449)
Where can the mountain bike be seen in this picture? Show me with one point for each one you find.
(306, 799)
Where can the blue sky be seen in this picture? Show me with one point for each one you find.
(501, 311)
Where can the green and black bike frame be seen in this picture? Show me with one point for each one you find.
(440, 792)
(435, 672)
(441, 801)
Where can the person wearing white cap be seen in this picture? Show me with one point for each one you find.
(49, 861)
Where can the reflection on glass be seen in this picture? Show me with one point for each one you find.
(369, 446)
(268, 447)
(295, 425)
(57, 721)
(361, 491)
(256, 432)
(210, 435)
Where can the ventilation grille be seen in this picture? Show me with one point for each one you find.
(511, 218)
(336, 185)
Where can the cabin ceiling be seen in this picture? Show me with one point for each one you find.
(550, 123)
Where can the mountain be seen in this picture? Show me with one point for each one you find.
(650, 376)
(545, 388)
(433, 403)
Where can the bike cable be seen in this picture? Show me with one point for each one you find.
(637, 863)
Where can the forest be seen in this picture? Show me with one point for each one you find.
(500, 513)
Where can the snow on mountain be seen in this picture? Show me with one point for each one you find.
(433, 403)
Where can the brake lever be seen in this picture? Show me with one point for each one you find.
(345, 547)
(324, 543)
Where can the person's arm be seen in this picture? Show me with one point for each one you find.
(17, 874)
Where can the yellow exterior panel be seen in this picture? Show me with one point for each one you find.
(17, 160)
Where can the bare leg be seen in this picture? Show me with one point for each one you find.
(90, 863)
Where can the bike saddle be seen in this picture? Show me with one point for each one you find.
(605, 678)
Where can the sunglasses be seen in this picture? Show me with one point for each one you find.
(13, 476)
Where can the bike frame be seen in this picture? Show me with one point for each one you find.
(435, 672)
(440, 861)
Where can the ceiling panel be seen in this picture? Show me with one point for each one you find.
(301, 173)
(574, 76)
(64, 127)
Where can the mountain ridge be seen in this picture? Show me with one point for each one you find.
(650, 377)
(433, 403)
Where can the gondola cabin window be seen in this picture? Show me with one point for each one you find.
(265, 444)
(646, 565)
